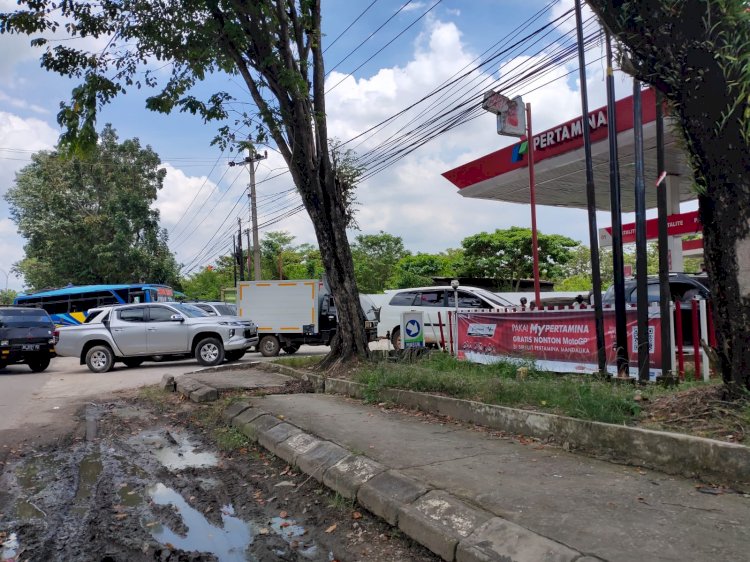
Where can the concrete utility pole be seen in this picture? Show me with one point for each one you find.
(251, 159)
(239, 249)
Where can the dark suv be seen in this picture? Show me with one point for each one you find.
(682, 286)
(26, 336)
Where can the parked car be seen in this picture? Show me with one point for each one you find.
(26, 336)
(431, 300)
(135, 333)
(683, 287)
(216, 308)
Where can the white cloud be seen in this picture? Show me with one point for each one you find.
(11, 253)
(19, 138)
(19, 103)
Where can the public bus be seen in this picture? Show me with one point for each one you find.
(68, 305)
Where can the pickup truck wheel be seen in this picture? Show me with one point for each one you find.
(269, 346)
(234, 355)
(100, 359)
(290, 349)
(39, 364)
(209, 352)
(396, 338)
(132, 362)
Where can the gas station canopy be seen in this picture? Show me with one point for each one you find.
(560, 166)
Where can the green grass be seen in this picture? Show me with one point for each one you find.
(230, 439)
(339, 502)
(578, 396)
(300, 362)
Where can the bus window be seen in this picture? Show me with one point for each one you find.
(136, 296)
(122, 295)
(56, 305)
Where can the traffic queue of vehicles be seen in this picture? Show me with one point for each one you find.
(102, 325)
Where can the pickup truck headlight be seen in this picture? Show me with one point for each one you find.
(4, 342)
(231, 333)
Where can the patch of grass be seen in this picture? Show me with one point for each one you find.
(230, 439)
(339, 502)
(506, 384)
(155, 396)
(300, 362)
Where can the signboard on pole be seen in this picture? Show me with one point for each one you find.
(511, 113)
(412, 329)
(677, 225)
(558, 341)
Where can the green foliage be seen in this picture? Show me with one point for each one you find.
(375, 258)
(577, 396)
(7, 296)
(506, 254)
(89, 219)
(281, 259)
(419, 269)
(206, 284)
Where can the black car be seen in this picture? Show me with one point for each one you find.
(26, 336)
(682, 286)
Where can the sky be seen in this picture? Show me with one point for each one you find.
(202, 193)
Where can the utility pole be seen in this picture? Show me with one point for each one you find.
(239, 249)
(252, 158)
(234, 261)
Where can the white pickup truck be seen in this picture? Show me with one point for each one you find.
(137, 332)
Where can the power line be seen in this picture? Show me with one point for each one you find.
(340, 35)
(407, 28)
(382, 25)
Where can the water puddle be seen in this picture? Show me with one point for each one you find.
(129, 497)
(9, 547)
(176, 451)
(27, 510)
(29, 476)
(228, 543)
(288, 530)
(88, 474)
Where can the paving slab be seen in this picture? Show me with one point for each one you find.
(499, 539)
(348, 475)
(296, 445)
(385, 494)
(439, 521)
(271, 438)
(320, 458)
(234, 410)
(244, 379)
(612, 512)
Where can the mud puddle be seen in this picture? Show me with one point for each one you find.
(151, 487)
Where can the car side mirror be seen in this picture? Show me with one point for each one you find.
(177, 318)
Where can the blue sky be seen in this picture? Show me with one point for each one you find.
(409, 199)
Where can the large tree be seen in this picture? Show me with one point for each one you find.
(274, 46)
(91, 219)
(697, 53)
(506, 255)
(375, 257)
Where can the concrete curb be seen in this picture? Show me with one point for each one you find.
(318, 381)
(672, 453)
(448, 526)
(190, 388)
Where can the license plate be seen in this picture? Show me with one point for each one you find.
(30, 347)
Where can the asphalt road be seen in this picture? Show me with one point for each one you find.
(39, 399)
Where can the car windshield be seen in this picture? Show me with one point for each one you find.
(29, 318)
(493, 298)
(189, 310)
(226, 309)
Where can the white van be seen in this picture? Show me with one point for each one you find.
(430, 301)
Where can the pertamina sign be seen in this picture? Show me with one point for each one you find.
(677, 225)
(570, 130)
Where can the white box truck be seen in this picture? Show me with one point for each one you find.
(290, 313)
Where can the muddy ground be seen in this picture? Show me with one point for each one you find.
(145, 480)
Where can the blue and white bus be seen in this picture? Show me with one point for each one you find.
(68, 306)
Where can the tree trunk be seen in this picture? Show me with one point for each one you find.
(724, 212)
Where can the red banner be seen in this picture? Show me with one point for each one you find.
(559, 341)
(677, 225)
